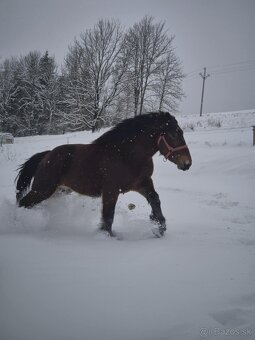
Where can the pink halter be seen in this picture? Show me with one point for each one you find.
(170, 149)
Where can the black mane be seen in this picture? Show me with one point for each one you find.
(150, 122)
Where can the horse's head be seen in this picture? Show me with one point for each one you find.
(172, 145)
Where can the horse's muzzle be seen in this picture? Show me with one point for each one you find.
(184, 166)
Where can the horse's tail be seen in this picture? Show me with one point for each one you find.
(26, 173)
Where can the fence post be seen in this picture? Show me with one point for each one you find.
(253, 128)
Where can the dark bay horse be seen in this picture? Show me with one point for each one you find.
(117, 162)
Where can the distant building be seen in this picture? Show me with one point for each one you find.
(6, 138)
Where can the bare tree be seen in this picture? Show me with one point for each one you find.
(149, 43)
(99, 69)
(151, 59)
(167, 86)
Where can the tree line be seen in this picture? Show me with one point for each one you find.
(108, 74)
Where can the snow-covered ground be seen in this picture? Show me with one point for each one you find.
(224, 120)
(60, 279)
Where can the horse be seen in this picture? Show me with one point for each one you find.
(119, 161)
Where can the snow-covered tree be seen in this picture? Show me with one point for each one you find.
(7, 91)
(49, 93)
(108, 75)
(28, 94)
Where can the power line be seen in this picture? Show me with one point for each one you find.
(226, 68)
(251, 61)
(232, 70)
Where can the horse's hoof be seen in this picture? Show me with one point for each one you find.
(112, 233)
(159, 232)
(108, 232)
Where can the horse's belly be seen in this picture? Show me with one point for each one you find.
(85, 186)
(83, 179)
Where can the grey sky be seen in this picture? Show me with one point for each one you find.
(210, 33)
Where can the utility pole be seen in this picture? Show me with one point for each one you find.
(204, 77)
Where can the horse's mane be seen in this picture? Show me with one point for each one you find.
(133, 126)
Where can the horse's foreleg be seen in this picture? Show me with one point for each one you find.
(146, 188)
(109, 202)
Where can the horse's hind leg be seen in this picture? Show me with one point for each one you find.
(46, 181)
(36, 196)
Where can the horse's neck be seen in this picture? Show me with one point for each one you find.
(145, 145)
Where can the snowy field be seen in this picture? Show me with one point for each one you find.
(62, 280)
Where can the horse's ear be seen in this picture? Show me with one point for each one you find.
(171, 118)
(167, 122)
(165, 115)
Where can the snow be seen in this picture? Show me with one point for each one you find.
(61, 279)
(225, 120)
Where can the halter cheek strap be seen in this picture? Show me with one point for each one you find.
(170, 149)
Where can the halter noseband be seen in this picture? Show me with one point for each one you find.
(170, 149)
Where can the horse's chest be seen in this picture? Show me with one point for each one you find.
(127, 175)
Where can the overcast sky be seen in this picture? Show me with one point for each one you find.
(218, 34)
